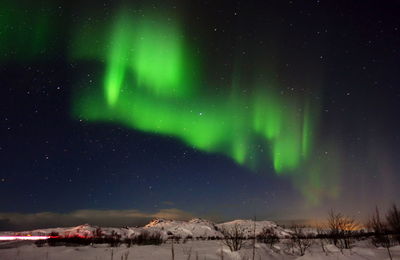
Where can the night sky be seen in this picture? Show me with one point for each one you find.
(114, 113)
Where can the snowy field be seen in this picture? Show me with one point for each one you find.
(198, 239)
(190, 250)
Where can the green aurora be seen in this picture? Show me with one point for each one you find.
(149, 85)
(152, 82)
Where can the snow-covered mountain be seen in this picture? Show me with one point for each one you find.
(195, 228)
(247, 226)
(83, 231)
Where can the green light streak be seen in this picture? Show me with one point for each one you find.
(158, 58)
(199, 128)
(289, 131)
(153, 51)
(268, 114)
(149, 85)
(318, 178)
(118, 59)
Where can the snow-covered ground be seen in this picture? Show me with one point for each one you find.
(196, 247)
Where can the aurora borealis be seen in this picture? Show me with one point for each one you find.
(163, 98)
(218, 109)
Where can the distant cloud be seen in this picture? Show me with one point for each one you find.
(115, 218)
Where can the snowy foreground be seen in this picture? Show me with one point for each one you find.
(191, 249)
(197, 245)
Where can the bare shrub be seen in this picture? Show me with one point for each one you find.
(177, 239)
(301, 241)
(341, 230)
(393, 221)
(40, 243)
(379, 229)
(268, 236)
(147, 238)
(187, 238)
(233, 237)
(98, 233)
(114, 240)
(381, 236)
(321, 236)
(128, 242)
(187, 252)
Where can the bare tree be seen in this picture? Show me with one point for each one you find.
(341, 230)
(233, 237)
(321, 235)
(347, 229)
(334, 226)
(172, 249)
(381, 235)
(393, 220)
(300, 240)
(98, 233)
(268, 236)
